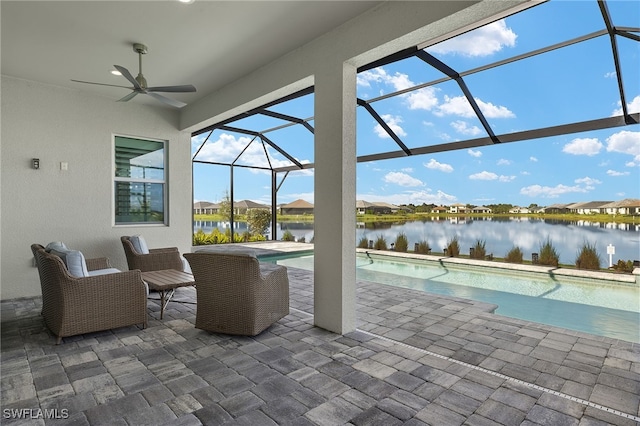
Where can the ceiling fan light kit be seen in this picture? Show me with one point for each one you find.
(140, 83)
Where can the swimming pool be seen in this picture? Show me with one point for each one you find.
(593, 306)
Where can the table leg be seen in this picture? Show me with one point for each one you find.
(164, 300)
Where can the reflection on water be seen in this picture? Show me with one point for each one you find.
(499, 234)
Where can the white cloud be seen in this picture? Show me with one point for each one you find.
(616, 173)
(503, 162)
(633, 106)
(610, 74)
(534, 159)
(434, 165)
(424, 98)
(407, 169)
(464, 128)
(393, 122)
(366, 77)
(415, 197)
(583, 146)
(228, 147)
(474, 153)
(445, 136)
(485, 175)
(550, 192)
(303, 172)
(458, 105)
(402, 179)
(588, 181)
(399, 81)
(493, 111)
(625, 142)
(482, 41)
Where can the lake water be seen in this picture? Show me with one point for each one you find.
(499, 235)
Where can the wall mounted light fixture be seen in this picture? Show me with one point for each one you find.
(35, 163)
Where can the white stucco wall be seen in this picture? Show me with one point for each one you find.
(75, 206)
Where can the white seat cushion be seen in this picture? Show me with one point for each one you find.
(104, 271)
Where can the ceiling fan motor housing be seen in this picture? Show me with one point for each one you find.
(141, 81)
(139, 48)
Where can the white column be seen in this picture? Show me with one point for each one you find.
(335, 197)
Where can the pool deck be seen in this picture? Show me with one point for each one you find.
(266, 248)
(415, 358)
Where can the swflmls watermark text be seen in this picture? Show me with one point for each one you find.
(35, 413)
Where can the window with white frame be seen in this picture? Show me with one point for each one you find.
(140, 181)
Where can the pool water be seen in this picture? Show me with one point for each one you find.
(581, 304)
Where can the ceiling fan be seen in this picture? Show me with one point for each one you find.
(140, 83)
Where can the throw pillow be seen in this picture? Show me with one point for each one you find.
(74, 260)
(139, 244)
(55, 245)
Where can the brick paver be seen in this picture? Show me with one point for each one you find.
(416, 359)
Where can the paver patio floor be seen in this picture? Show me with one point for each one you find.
(415, 359)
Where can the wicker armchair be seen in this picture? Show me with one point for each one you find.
(156, 260)
(72, 306)
(237, 294)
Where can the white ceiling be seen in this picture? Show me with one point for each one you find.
(206, 43)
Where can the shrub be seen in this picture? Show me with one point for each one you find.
(288, 236)
(363, 243)
(380, 243)
(423, 247)
(479, 251)
(588, 257)
(218, 237)
(199, 238)
(402, 243)
(453, 247)
(302, 239)
(623, 266)
(258, 221)
(548, 254)
(514, 255)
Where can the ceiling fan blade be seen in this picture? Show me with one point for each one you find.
(128, 97)
(166, 100)
(175, 89)
(101, 84)
(125, 72)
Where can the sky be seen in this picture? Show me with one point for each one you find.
(571, 84)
